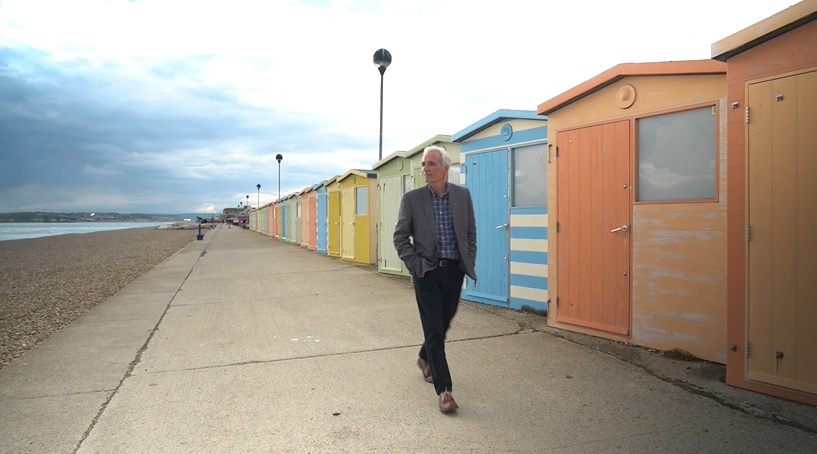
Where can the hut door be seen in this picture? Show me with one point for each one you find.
(333, 223)
(487, 179)
(284, 225)
(312, 219)
(391, 190)
(321, 219)
(593, 227)
(347, 223)
(782, 222)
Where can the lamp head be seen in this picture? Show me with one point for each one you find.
(382, 59)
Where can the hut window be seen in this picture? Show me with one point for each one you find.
(360, 201)
(530, 176)
(676, 156)
(298, 209)
(408, 184)
(454, 173)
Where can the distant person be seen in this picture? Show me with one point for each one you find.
(436, 237)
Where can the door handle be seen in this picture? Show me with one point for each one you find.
(503, 226)
(623, 228)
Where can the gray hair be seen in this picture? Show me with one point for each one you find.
(443, 153)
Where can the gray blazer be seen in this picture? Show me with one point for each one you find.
(416, 232)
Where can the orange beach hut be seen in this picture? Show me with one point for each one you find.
(772, 220)
(637, 176)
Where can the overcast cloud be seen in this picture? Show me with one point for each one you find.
(165, 106)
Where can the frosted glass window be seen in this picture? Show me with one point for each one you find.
(298, 209)
(360, 201)
(530, 176)
(454, 173)
(676, 156)
(408, 183)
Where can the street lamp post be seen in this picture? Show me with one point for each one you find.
(248, 202)
(382, 59)
(278, 158)
(258, 186)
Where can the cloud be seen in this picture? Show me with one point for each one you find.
(177, 106)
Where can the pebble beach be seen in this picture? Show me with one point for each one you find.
(46, 283)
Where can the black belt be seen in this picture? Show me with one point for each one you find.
(447, 262)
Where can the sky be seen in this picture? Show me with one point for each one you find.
(180, 106)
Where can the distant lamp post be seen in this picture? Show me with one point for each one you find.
(278, 158)
(382, 59)
(258, 186)
(247, 207)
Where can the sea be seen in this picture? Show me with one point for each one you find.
(23, 230)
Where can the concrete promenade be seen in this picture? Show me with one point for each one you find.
(245, 344)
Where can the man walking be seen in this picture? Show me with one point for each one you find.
(436, 237)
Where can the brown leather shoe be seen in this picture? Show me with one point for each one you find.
(425, 369)
(447, 402)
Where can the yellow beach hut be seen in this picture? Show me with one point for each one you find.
(358, 216)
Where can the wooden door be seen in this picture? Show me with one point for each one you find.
(312, 216)
(390, 192)
(333, 223)
(781, 228)
(487, 179)
(594, 210)
(347, 223)
(285, 233)
(321, 222)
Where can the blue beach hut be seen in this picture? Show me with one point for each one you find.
(504, 164)
(320, 228)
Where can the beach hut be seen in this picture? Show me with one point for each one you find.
(277, 213)
(415, 156)
(268, 219)
(358, 216)
(321, 222)
(333, 216)
(397, 174)
(504, 159)
(253, 223)
(263, 220)
(286, 215)
(294, 218)
(637, 182)
(393, 180)
(771, 224)
(309, 215)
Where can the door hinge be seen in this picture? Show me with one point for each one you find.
(557, 301)
(557, 227)
(747, 115)
(748, 351)
(748, 232)
(557, 151)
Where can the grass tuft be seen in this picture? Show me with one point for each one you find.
(680, 354)
(531, 310)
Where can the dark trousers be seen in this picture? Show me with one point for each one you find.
(438, 295)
